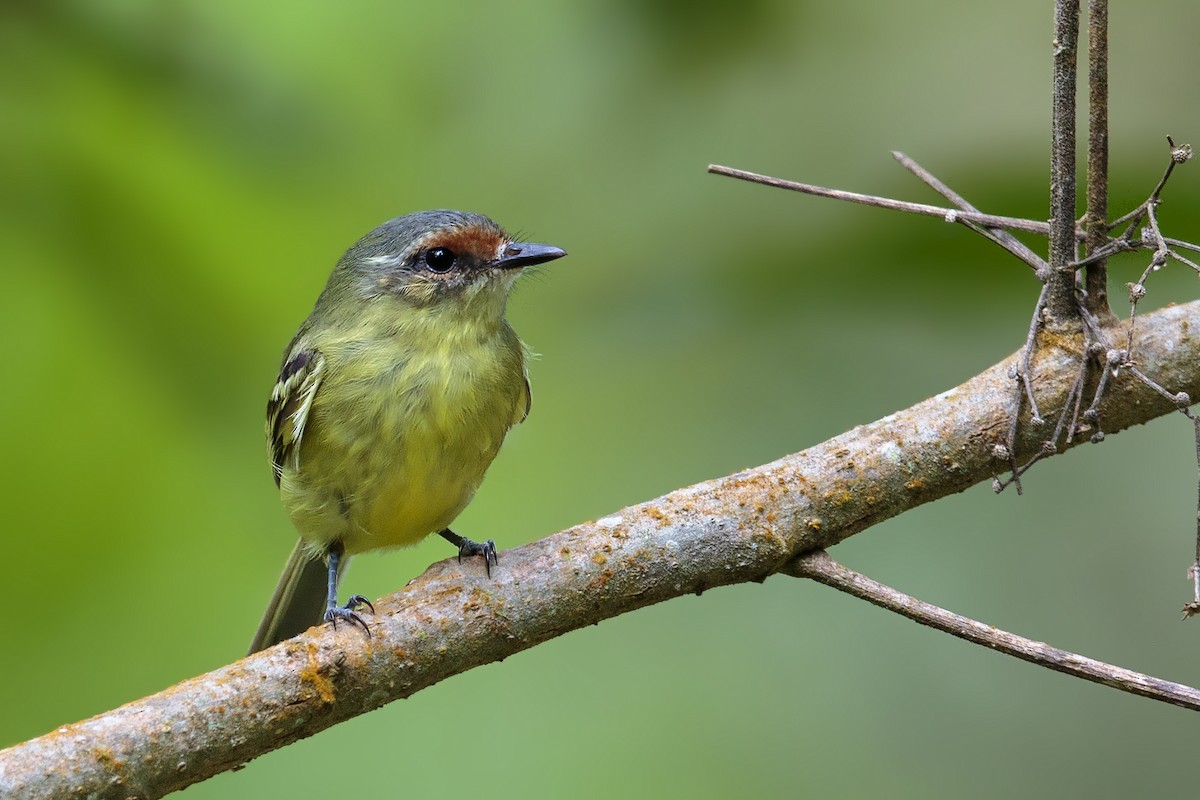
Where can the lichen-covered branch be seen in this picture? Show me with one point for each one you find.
(742, 527)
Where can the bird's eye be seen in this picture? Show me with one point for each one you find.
(439, 259)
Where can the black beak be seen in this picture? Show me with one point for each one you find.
(524, 254)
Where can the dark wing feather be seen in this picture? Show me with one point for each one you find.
(289, 406)
(523, 413)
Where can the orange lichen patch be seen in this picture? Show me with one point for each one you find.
(915, 485)
(840, 498)
(565, 552)
(599, 558)
(813, 523)
(105, 755)
(1068, 341)
(748, 490)
(601, 581)
(644, 554)
(654, 512)
(482, 600)
(311, 674)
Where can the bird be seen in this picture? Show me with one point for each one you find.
(392, 400)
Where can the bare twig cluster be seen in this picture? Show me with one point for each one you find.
(1073, 302)
(1072, 419)
(1092, 315)
(1080, 296)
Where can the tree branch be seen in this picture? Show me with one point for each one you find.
(820, 567)
(742, 527)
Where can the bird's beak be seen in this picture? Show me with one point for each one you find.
(524, 254)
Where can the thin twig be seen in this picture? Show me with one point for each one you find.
(1110, 248)
(1080, 380)
(1162, 250)
(1024, 392)
(1178, 156)
(1050, 446)
(1186, 262)
(1038, 227)
(1157, 261)
(1112, 360)
(1128, 245)
(1180, 399)
(948, 214)
(1134, 217)
(1192, 608)
(1185, 245)
(998, 235)
(1095, 342)
(820, 567)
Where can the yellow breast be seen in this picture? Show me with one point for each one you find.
(399, 437)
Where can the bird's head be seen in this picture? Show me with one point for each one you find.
(440, 258)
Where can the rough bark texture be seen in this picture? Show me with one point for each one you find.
(742, 527)
(1060, 304)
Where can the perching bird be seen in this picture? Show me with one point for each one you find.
(393, 399)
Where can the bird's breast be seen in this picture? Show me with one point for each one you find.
(397, 444)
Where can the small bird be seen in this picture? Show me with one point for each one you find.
(393, 399)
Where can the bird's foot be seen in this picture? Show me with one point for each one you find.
(346, 613)
(468, 548)
(486, 549)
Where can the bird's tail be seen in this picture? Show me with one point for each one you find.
(299, 600)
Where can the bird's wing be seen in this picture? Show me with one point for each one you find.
(522, 409)
(289, 406)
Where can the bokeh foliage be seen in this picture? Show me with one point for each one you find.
(178, 178)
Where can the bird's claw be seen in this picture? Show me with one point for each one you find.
(346, 613)
(486, 549)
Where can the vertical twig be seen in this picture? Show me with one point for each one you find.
(1096, 281)
(1061, 306)
(1193, 608)
(1196, 426)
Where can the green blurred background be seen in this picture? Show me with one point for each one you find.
(178, 179)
